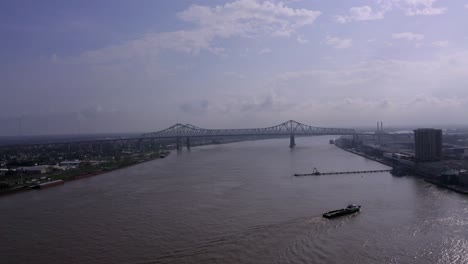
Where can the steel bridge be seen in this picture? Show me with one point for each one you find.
(289, 128)
(181, 133)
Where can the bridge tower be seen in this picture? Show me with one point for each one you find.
(188, 143)
(140, 144)
(178, 143)
(355, 141)
(292, 141)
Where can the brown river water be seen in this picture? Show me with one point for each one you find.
(238, 203)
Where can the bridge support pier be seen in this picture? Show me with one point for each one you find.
(178, 143)
(292, 141)
(188, 143)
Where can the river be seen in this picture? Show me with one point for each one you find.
(238, 203)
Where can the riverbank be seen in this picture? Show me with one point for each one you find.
(81, 173)
(454, 188)
(366, 156)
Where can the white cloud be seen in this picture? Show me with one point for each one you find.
(440, 44)
(410, 36)
(437, 44)
(264, 51)
(420, 7)
(414, 7)
(409, 7)
(442, 74)
(301, 39)
(408, 92)
(240, 18)
(235, 74)
(246, 17)
(361, 13)
(339, 43)
(422, 91)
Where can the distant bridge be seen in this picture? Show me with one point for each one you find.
(181, 132)
(289, 128)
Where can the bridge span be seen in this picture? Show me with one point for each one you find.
(181, 133)
(289, 128)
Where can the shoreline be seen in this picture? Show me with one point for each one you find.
(365, 156)
(77, 177)
(454, 188)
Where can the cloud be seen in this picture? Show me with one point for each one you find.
(420, 7)
(264, 51)
(240, 18)
(408, 36)
(362, 13)
(339, 43)
(437, 44)
(300, 39)
(442, 77)
(264, 102)
(415, 7)
(235, 74)
(409, 7)
(440, 44)
(430, 91)
(196, 108)
(246, 17)
(88, 120)
(348, 110)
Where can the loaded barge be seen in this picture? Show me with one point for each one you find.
(351, 209)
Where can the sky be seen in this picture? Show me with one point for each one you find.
(141, 66)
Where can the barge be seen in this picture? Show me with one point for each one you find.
(351, 209)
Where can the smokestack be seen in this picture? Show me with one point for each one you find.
(377, 126)
(381, 126)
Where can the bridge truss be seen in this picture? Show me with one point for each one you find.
(288, 128)
(184, 132)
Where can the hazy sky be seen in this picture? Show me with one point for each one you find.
(113, 66)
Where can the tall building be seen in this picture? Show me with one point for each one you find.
(428, 144)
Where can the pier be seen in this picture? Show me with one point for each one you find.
(315, 172)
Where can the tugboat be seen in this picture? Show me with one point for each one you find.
(351, 209)
(331, 141)
(164, 154)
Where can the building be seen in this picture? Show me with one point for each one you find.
(70, 164)
(428, 144)
(463, 178)
(34, 169)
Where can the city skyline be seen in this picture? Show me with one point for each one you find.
(76, 67)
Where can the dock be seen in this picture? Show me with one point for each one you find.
(315, 172)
